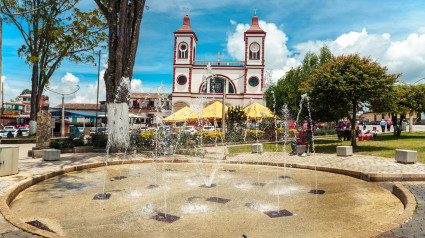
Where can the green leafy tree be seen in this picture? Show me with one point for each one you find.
(287, 90)
(236, 118)
(123, 19)
(55, 32)
(343, 84)
(405, 98)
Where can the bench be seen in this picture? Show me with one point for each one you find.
(51, 154)
(406, 156)
(344, 150)
(301, 149)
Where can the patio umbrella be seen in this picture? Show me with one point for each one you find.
(257, 111)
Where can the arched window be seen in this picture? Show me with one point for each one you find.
(183, 51)
(215, 85)
(254, 51)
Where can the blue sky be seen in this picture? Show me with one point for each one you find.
(392, 32)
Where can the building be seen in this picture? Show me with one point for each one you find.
(146, 109)
(244, 79)
(370, 116)
(18, 112)
(78, 107)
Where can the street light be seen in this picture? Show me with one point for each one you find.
(418, 80)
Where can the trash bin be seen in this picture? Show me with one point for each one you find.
(9, 156)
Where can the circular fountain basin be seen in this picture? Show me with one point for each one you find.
(171, 200)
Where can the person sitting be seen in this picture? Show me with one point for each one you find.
(365, 131)
(301, 140)
(19, 132)
(374, 133)
(358, 133)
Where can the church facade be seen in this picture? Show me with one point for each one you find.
(244, 79)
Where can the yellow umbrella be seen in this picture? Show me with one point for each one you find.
(212, 111)
(256, 110)
(179, 116)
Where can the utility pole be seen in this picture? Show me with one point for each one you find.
(97, 96)
(1, 61)
(63, 116)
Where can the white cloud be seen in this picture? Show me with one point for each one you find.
(8, 91)
(406, 56)
(277, 55)
(87, 92)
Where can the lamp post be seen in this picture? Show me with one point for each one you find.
(411, 112)
(97, 96)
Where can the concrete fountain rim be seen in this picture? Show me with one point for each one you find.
(402, 193)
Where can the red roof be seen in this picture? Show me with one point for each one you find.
(86, 106)
(186, 25)
(255, 28)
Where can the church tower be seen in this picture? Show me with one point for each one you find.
(184, 57)
(254, 58)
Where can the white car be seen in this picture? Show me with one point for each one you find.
(25, 131)
(9, 128)
(189, 130)
(208, 128)
(3, 134)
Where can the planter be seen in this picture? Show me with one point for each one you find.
(18, 141)
(82, 149)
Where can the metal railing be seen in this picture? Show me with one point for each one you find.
(223, 63)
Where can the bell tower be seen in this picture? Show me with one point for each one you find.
(254, 39)
(184, 56)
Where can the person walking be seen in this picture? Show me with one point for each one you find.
(389, 123)
(383, 124)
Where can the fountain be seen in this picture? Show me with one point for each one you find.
(201, 197)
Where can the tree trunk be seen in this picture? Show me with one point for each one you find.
(410, 121)
(395, 125)
(34, 103)
(402, 116)
(353, 126)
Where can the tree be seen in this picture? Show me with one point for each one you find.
(235, 116)
(287, 90)
(405, 98)
(343, 84)
(56, 31)
(124, 18)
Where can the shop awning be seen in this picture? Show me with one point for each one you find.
(257, 111)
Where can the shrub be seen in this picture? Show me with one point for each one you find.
(209, 136)
(99, 140)
(331, 132)
(293, 133)
(254, 134)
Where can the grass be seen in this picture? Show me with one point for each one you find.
(384, 146)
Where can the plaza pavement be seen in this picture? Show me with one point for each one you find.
(415, 227)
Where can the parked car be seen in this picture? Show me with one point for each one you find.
(3, 134)
(25, 131)
(144, 128)
(11, 133)
(76, 131)
(9, 128)
(189, 130)
(102, 130)
(254, 127)
(208, 128)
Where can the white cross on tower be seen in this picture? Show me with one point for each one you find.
(187, 11)
(255, 11)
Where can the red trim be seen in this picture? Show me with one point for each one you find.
(187, 49)
(217, 97)
(191, 49)
(246, 50)
(225, 67)
(177, 79)
(221, 75)
(174, 79)
(263, 53)
(249, 81)
(262, 78)
(244, 82)
(175, 49)
(190, 80)
(186, 33)
(259, 53)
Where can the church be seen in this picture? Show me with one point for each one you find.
(244, 79)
